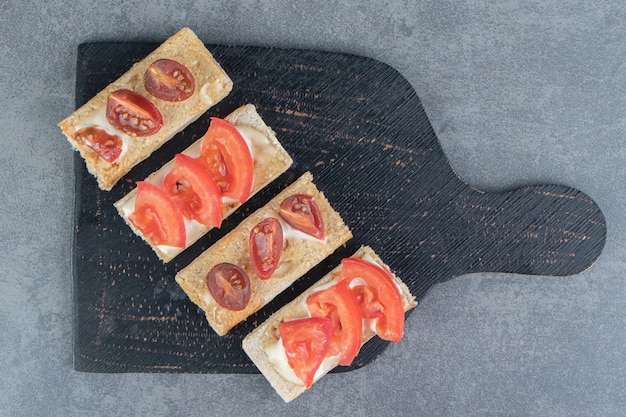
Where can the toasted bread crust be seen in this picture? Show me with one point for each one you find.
(276, 161)
(255, 343)
(212, 85)
(298, 256)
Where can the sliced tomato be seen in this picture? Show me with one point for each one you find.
(133, 114)
(227, 157)
(381, 294)
(306, 342)
(371, 307)
(169, 80)
(194, 190)
(107, 146)
(266, 246)
(340, 305)
(158, 217)
(229, 285)
(302, 213)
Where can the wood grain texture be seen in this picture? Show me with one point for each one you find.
(359, 127)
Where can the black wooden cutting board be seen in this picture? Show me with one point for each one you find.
(360, 128)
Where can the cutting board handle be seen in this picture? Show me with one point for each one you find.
(535, 230)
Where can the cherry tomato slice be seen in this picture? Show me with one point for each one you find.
(194, 190)
(301, 212)
(384, 293)
(133, 114)
(340, 305)
(107, 146)
(158, 217)
(169, 80)
(229, 285)
(266, 246)
(227, 157)
(306, 342)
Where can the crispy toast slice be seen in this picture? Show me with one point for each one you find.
(212, 84)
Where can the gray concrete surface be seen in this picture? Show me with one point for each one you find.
(519, 92)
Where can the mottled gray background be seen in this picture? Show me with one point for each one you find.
(518, 92)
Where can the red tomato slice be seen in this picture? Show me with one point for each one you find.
(227, 157)
(371, 307)
(109, 147)
(169, 80)
(158, 217)
(229, 285)
(133, 114)
(194, 190)
(340, 305)
(266, 246)
(306, 342)
(382, 293)
(301, 212)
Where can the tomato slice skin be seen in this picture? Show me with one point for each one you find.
(340, 305)
(306, 342)
(266, 246)
(225, 154)
(389, 324)
(107, 146)
(157, 216)
(302, 213)
(194, 190)
(133, 114)
(169, 80)
(229, 285)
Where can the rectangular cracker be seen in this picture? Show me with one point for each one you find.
(212, 85)
(255, 343)
(298, 256)
(270, 162)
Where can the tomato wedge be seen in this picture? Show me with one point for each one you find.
(133, 114)
(266, 246)
(226, 155)
(306, 342)
(381, 294)
(157, 216)
(169, 80)
(194, 190)
(340, 305)
(229, 285)
(107, 146)
(302, 213)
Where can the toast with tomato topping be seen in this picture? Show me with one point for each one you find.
(230, 280)
(270, 344)
(267, 160)
(144, 108)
